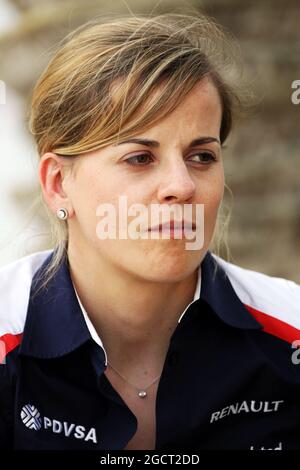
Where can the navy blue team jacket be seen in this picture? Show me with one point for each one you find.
(231, 377)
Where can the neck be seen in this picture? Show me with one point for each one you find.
(129, 312)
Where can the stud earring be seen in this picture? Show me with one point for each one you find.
(62, 213)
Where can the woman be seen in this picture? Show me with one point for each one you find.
(141, 342)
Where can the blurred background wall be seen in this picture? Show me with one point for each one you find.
(262, 159)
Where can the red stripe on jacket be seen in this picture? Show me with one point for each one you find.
(274, 326)
(8, 342)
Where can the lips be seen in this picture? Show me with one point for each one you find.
(185, 225)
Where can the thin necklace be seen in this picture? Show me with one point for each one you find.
(141, 391)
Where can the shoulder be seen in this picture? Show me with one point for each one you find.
(15, 284)
(272, 300)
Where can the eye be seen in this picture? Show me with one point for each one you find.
(208, 157)
(144, 159)
(139, 160)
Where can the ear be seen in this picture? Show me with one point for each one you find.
(51, 174)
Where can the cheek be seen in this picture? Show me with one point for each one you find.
(87, 195)
(211, 192)
(212, 195)
(218, 191)
(91, 191)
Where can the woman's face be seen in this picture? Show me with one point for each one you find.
(171, 172)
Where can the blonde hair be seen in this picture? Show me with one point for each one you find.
(72, 110)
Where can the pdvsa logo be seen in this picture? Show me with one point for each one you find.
(32, 419)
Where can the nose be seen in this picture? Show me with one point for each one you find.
(176, 183)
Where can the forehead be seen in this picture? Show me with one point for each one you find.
(200, 109)
(200, 103)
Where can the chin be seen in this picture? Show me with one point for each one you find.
(173, 269)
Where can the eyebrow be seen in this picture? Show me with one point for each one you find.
(154, 143)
